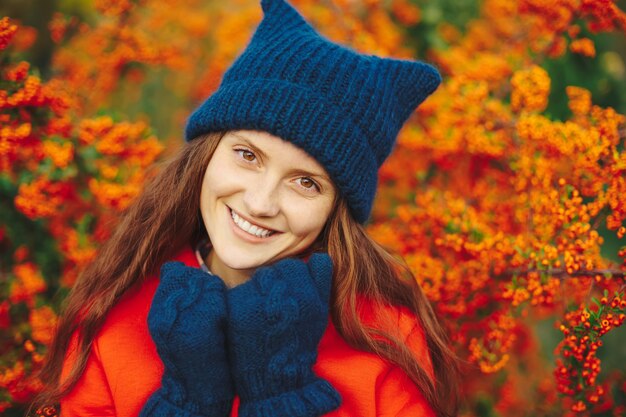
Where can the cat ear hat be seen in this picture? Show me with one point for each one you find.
(343, 108)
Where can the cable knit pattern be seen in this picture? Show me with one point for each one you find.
(187, 322)
(343, 108)
(275, 323)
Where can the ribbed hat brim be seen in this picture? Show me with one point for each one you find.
(303, 117)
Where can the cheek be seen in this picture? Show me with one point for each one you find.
(208, 192)
(308, 220)
(219, 180)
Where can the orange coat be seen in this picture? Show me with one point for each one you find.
(124, 367)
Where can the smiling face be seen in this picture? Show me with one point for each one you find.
(263, 199)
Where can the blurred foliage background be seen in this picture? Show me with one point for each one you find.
(604, 76)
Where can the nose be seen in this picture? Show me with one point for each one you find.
(261, 197)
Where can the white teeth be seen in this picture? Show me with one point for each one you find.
(247, 227)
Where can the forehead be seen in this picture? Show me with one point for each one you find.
(275, 147)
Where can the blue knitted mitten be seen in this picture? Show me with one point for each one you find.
(275, 323)
(187, 320)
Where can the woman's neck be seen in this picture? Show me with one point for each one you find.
(231, 277)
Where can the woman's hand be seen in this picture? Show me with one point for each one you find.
(187, 319)
(275, 323)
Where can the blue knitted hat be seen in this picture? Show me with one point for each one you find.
(343, 108)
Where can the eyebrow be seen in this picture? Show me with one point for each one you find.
(251, 145)
(298, 171)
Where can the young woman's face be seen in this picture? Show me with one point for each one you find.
(262, 199)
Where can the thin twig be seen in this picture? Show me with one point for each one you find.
(563, 274)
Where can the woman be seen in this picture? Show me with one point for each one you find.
(214, 294)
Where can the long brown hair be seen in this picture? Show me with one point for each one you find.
(364, 269)
(162, 219)
(165, 217)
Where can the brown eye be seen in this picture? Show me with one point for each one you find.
(246, 155)
(306, 183)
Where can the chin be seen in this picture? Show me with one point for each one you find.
(241, 261)
(245, 266)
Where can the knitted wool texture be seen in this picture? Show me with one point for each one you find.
(344, 108)
(275, 323)
(187, 320)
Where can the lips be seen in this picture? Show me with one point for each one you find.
(250, 228)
